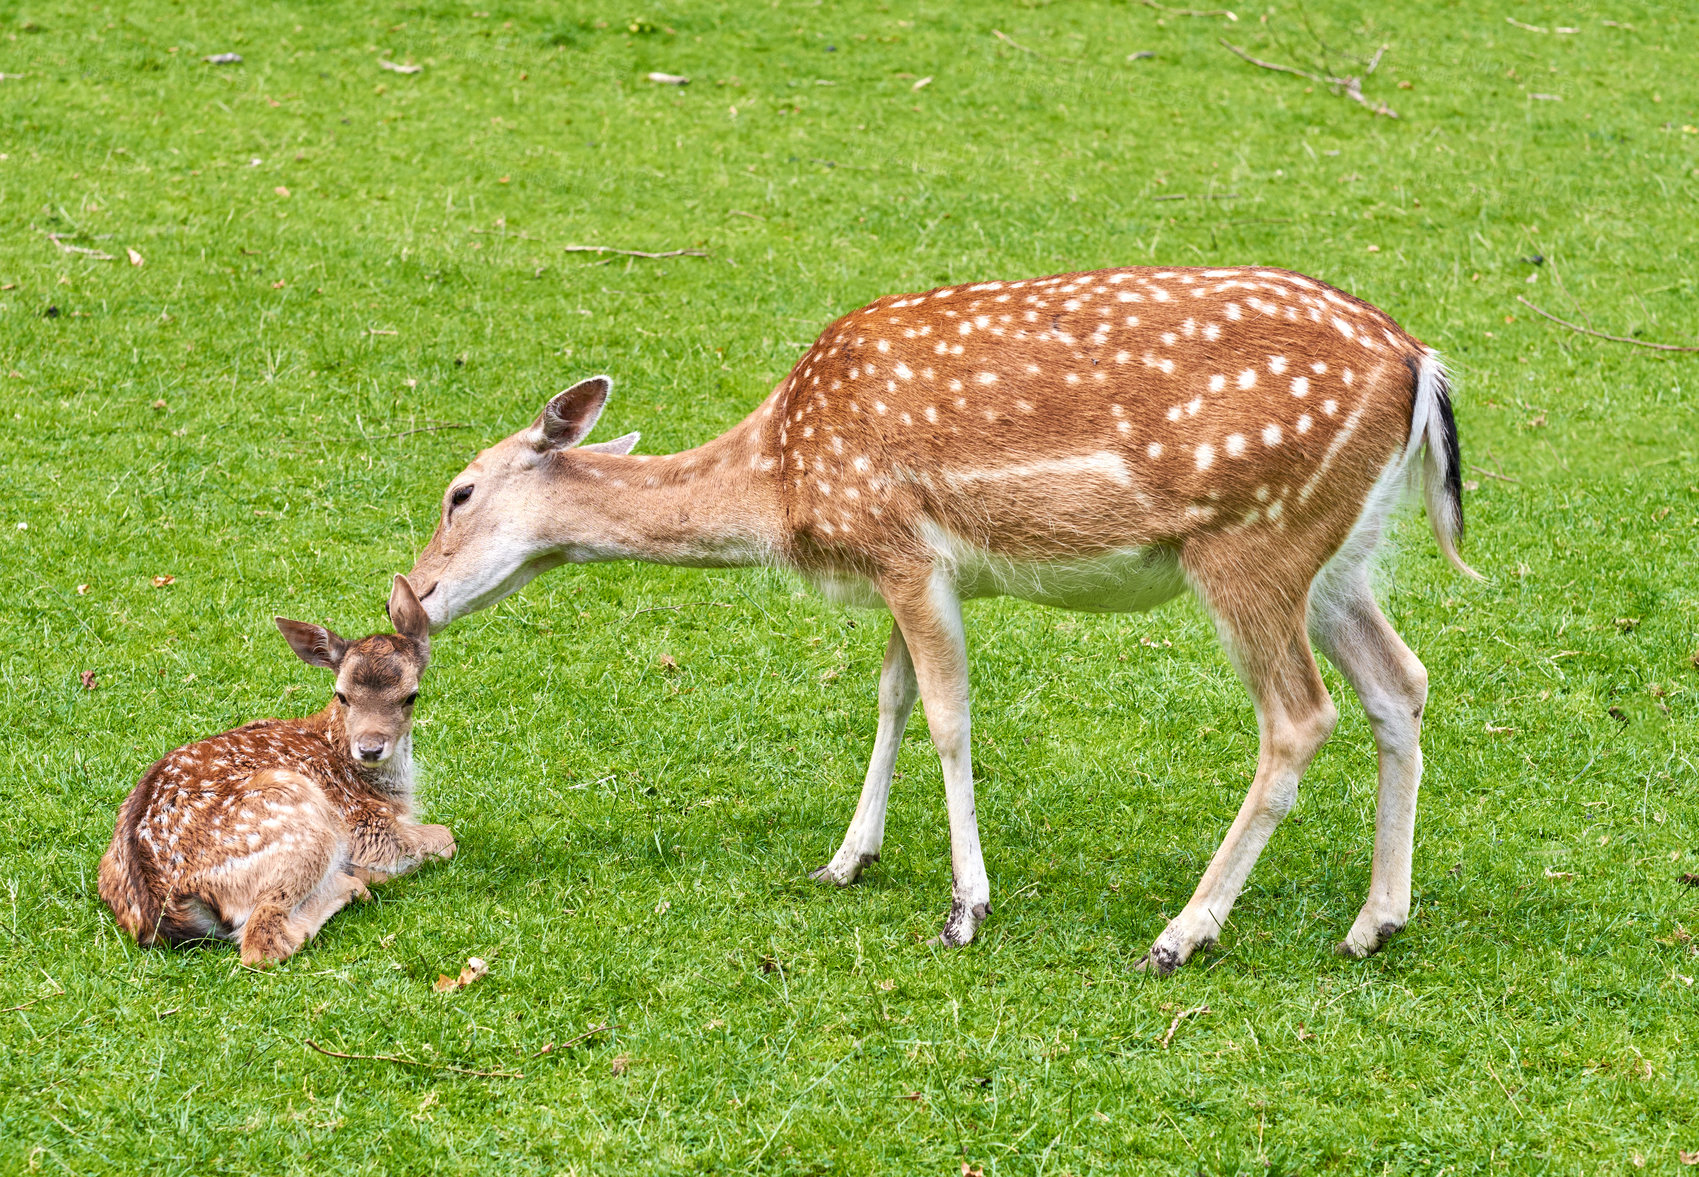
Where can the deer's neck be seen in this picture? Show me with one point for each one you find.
(715, 506)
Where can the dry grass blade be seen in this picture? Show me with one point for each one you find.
(1351, 87)
(1195, 1011)
(411, 1062)
(1601, 334)
(575, 1040)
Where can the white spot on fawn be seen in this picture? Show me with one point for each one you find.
(1304, 423)
(1205, 456)
(1271, 434)
(1235, 445)
(1300, 386)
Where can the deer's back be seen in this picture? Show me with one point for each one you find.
(1082, 415)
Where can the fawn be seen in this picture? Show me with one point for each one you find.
(261, 834)
(1101, 441)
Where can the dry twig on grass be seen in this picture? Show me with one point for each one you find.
(573, 1041)
(92, 254)
(1180, 1017)
(1601, 334)
(410, 1062)
(634, 252)
(1189, 11)
(1350, 86)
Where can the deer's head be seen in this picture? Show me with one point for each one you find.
(377, 677)
(517, 510)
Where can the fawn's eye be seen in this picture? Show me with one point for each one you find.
(341, 698)
(411, 699)
(460, 495)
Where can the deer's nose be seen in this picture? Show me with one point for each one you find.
(369, 750)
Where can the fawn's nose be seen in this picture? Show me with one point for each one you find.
(369, 749)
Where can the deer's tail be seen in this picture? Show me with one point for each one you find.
(1433, 429)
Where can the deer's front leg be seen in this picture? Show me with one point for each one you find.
(929, 613)
(866, 833)
(380, 850)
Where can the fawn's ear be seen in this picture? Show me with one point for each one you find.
(569, 416)
(407, 615)
(314, 644)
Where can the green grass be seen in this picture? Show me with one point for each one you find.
(632, 840)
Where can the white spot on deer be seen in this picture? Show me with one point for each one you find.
(1205, 455)
(1277, 364)
(879, 407)
(903, 371)
(1072, 377)
(1330, 407)
(1343, 327)
(1153, 450)
(1304, 423)
(944, 293)
(808, 432)
(932, 414)
(955, 349)
(1271, 434)
(1212, 331)
(1347, 376)
(1217, 382)
(1174, 413)
(860, 465)
(1248, 378)
(987, 377)
(1073, 304)
(1232, 311)
(1300, 386)
(1132, 320)
(1235, 445)
(1193, 405)
(1318, 367)
(1158, 294)
(905, 418)
(1169, 338)
(965, 329)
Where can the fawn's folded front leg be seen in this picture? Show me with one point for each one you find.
(380, 851)
(929, 613)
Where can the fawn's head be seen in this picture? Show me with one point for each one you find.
(377, 677)
(489, 543)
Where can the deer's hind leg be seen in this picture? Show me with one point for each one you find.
(1261, 619)
(898, 690)
(283, 869)
(1393, 685)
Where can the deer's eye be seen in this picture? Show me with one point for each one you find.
(411, 699)
(341, 698)
(460, 495)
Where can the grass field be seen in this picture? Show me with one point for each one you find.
(349, 278)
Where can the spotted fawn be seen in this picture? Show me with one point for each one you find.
(261, 834)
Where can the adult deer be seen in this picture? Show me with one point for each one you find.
(1096, 441)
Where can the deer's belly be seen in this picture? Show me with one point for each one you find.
(1129, 580)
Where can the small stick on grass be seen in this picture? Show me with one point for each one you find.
(1601, 334)
(1180, 1017)
(574, 1041)
(1350, 87)
(421, 429)
(1485, 473)
(634, 252)
(1189, 11)
(676, 608)
(408, 1062)
(1012, 43)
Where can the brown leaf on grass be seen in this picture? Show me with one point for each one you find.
(667, 663)
(972, 1170)
(1690, 880)
(162, 581)
(475, 968)
(398, 67)
(88, 680)
(1689, 1158)
(768, 964)
(82, 590)
(620, 1065)
(135, 258)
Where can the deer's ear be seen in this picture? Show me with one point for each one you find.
(569, 416)
(407, 615)
(619, 445)
(313, 644)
